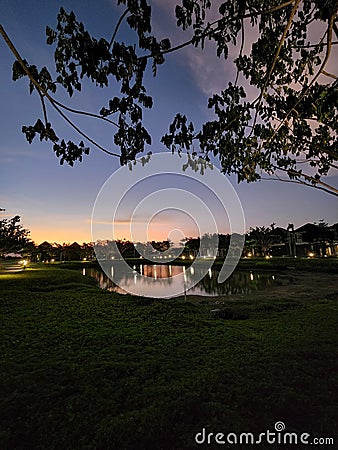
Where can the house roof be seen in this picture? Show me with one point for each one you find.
(307, 227)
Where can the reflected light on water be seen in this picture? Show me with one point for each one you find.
(165, 275)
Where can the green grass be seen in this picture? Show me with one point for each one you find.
(83, 368)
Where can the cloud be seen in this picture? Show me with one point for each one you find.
(210, 72)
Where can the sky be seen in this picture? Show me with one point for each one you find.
(56, 201)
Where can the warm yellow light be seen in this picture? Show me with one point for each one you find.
(52, 260)
(249, 254)
(311, 254)
(183, 257)
(24, 262)
(84, 259)
(191, 257)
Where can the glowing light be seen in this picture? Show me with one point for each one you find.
(251, 276)
(311, 255)
(249, 254)
(183, 257)
(191, 257)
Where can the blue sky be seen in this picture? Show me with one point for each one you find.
(55, 202)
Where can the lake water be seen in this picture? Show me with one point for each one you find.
(158, 277)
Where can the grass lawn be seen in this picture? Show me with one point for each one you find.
(82, 368)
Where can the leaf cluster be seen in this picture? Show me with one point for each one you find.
(13, 236)
(289, 127)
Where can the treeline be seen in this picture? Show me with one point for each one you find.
(316, 239)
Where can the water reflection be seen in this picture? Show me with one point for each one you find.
(164, 275)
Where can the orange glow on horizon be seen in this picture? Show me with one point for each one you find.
(70, 235)
(60, 236)
(75, 229)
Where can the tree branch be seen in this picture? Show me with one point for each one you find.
(331, 75)
(314, 181)
(216, 22)
(300, 98)
(117, 27)
(298, 182)
(240, 50)
(42, 92)
(43, 108)
(314, 45)
(281, 43)
(82, 133)
(85, 113)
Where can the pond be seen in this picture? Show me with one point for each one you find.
(157, 277)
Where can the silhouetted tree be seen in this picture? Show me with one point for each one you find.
(87, 250)
(288, 125)
(263, 238)
(13, 236)
(320, 234)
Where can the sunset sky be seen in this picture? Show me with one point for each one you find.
(55, 202)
